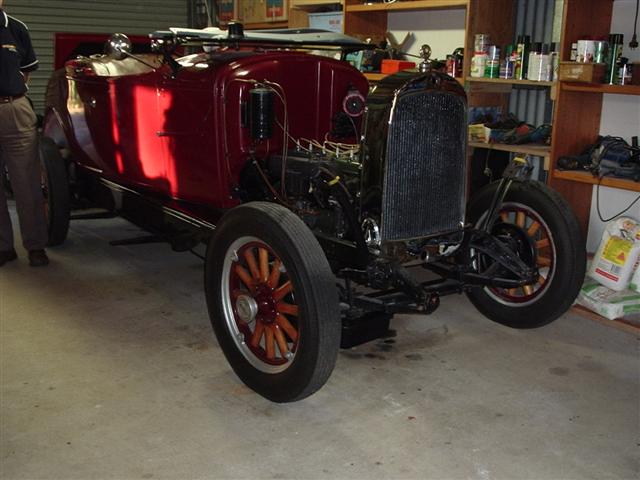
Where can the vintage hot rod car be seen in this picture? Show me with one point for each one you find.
(320, 200)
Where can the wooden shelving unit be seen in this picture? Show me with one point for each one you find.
(586, 177)
(543, 151)
(406, 5)
(502, 81)
(601, 88)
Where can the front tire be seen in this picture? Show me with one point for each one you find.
(540, 225)
(272, 301)
(55, 188)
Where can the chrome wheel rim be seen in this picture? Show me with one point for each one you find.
(260, 310)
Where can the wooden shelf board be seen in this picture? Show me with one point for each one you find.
(311, 4)
(502, 81)
(601, 88)
(586, 177)
(376, 77)
(408, 5)
(618, 323)
(528, 149)
(266, 25)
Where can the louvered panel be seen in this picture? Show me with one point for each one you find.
(45, 17)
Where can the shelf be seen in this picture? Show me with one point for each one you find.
(601, 88)
(502, 81)
(266, 25)
(527, 149)
(311, 4)
(586, 177)
(407, 5)
(376, 77)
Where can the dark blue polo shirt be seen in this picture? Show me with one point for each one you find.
(16, 55)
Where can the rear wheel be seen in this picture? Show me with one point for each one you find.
(272, 301)
(55, 188)
(540, 226)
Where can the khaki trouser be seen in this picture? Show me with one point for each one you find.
(19, 152)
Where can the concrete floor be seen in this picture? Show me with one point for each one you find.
(109, 369)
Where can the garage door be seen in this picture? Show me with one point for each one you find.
(45, 17)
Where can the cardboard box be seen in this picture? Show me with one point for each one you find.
(582, 72)
(331, 21)
(262, 11)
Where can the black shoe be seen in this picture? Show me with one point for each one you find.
(38, 258)
(7, 256)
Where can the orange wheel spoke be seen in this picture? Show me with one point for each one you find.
(269, 343)
(287, 308)
(528, 289)
(541, 280)
(535, 226)
(542, 243)
(236, 293)
(520, 219)
(257, 334)
(264, 264)
(274, 277)
(244, 276)
(544, 261)
(282, 292)
(289, 329)
(512, 291)
(251, 262)
(282, 342)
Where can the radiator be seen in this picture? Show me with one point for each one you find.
(424, 178)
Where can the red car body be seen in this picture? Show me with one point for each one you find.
(183, 136)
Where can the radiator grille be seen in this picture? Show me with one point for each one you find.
(424, 182)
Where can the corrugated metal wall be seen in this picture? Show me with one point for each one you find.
(45, 17)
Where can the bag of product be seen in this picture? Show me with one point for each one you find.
(617, 254)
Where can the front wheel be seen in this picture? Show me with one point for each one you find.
(540, 226)
(272, 301)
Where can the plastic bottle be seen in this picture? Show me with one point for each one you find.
(554, 61)
(535, 54)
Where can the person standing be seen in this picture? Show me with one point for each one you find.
(19, 144)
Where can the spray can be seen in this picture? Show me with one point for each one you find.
(522, 62)
(616, 40)
(506, 67)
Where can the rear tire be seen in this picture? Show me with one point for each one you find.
(55, 188)
(540, 224)
(272, 301)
